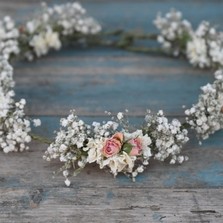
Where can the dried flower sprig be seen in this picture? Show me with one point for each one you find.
(53, 25)
(114, 147)
(203, 47)
(206, 117)
(14, 126)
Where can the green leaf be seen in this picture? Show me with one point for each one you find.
(127, 147)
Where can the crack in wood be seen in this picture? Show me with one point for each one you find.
(131, 208)
(198, 208)
(155, 208)
(184, 191)
(203, 211)
(162, 217)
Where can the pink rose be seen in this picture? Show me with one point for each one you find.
(137, 147)
(113, 145)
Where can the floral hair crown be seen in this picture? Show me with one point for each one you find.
(114, 144)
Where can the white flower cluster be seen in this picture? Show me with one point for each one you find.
(174, 31)
(14, 127)
(44, 41)
(78, 144)
(8, 38)
(69, 140)
(203, 47)
(168, 138)
(48, 29)
(36, 38)
(206, 117)
(6, 84)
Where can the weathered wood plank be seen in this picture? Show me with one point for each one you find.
(30, 193)
(54, 85)
(203, 170)
(127, 13)
(106, 204)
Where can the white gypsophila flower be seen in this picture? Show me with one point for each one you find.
(6, 84)
(8, 38)
(202, 29)
(215, 46)
(36, 122)
(5, 101)
(70, 140)
(206, 117)
(14, 127)
(49, 26)
(120, 116)
(65, 173)
(197, 52)
(205, 49)
(168, 138)
(174, 31)
(67, 182)
(106, 129)
(6, 75)
(72, 18)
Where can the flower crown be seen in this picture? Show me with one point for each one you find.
(114, 144)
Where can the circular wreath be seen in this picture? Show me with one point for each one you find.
(114, 144)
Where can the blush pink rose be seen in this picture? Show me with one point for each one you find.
(113, 145)
(137, 147)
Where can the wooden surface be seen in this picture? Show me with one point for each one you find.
(98, 79)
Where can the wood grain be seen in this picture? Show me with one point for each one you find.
(111, 205)
(203, 170)
(92, 85)
(92, 80)
(188, 193)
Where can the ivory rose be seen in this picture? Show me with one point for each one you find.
(120, 163)
(137, 146)
(113, 145)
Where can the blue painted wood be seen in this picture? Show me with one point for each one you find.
(92, 85)
(203, 170)
(140, 14)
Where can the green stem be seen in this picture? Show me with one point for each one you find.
(185, 125)
(134, 35)
(124, 43)
(40, 139)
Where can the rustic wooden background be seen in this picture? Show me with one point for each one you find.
(97, 79)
